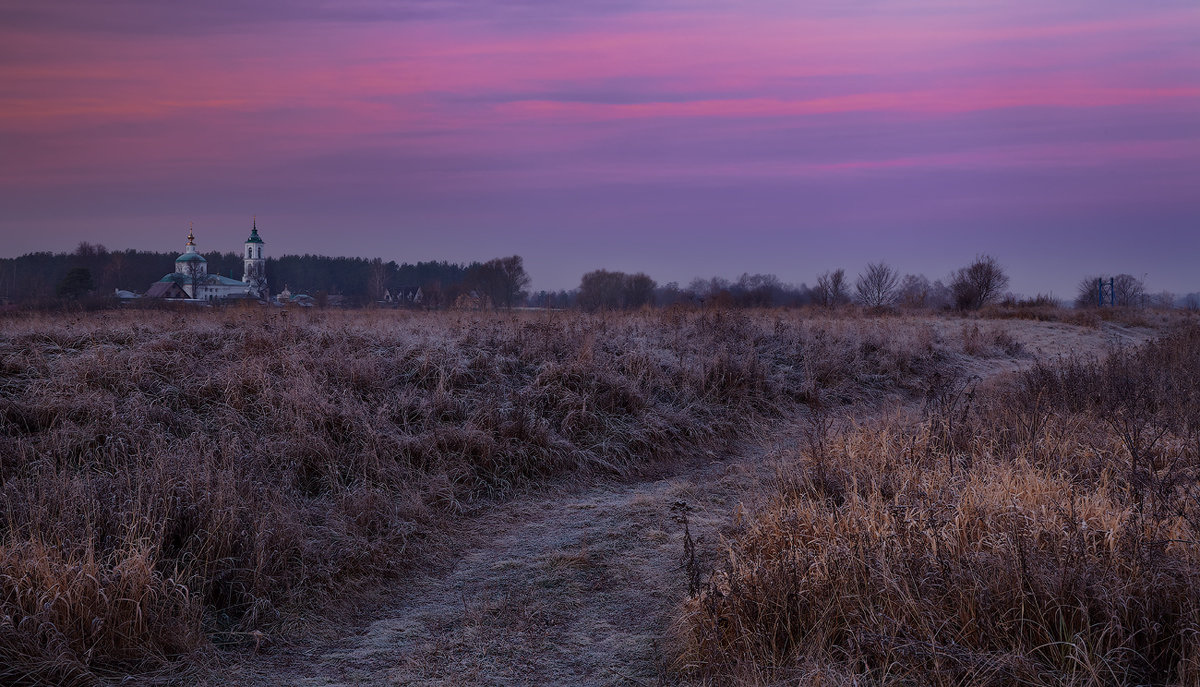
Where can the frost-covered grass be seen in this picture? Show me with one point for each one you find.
(1042, 531)
(171, 480)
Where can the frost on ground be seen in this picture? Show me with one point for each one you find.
(556, 588)
(577, 585)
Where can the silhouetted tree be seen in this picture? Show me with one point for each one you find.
(77, 284)
(196, 273)
(1127, 291)
(378, 278)
(639, 290)
(1163, 300)
(913, 291)
(602, 290)
(513, 280)
(670, 294)
(501, 280)
(978, 284)
(831, 289)
(757, 290)
(877, 286)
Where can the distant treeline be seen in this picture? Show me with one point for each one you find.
(36, 277)
(49, 278)
(981, 283)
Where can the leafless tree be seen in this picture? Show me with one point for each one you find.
(831, 289)
(257, 281)
(877, 286)
(377, 279)
(978, 284)
(1127, 291)
(196, 273)
(502, 280)
(513, 280)
(1163, 300)
(602, 289)
(913, 291)
(639, 290)
(112, 271)
(1087, 294)
(940, 295)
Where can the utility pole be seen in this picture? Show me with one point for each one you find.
(1103, 288)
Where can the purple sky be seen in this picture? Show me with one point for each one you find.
(680, 139)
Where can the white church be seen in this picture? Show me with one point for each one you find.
(191, 279)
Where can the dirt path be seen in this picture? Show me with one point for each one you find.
(567, 589)
(573, 588)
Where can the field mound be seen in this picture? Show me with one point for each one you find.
(171, 481)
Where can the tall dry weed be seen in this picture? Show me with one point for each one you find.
(1042, 533)
(172, 479)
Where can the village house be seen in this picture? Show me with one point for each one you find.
(404, 296)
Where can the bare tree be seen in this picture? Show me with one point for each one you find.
(605, 290)
(502, 280)
(112, 271)
(1126, 291)
(257, 281)
(1087, 294)
(1163, 300)
(759, 290)
(639, 290)
(831, 289)
(1129, 291)
(877, 287)
(913, 291)
(940, 295)
(601, 290)
(978, 284)
(377, 279)
(512, 280)
(196, 273)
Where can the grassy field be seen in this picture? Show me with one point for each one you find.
(1040, 528)
(172, 482)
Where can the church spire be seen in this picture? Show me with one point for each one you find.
(255, 266)
(191, 238)
(254, 238)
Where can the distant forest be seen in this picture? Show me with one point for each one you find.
(43, 279)
(34, 277)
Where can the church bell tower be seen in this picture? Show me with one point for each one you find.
(254, 272)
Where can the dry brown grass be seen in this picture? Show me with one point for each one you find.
(173, 480)
(1045, 530)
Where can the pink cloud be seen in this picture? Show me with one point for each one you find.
(462, 85)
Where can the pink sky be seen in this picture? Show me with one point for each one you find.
(681, 139)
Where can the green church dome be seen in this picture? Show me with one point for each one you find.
(190, 257)
(254, 238)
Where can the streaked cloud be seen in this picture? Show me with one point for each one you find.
(481, 117)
